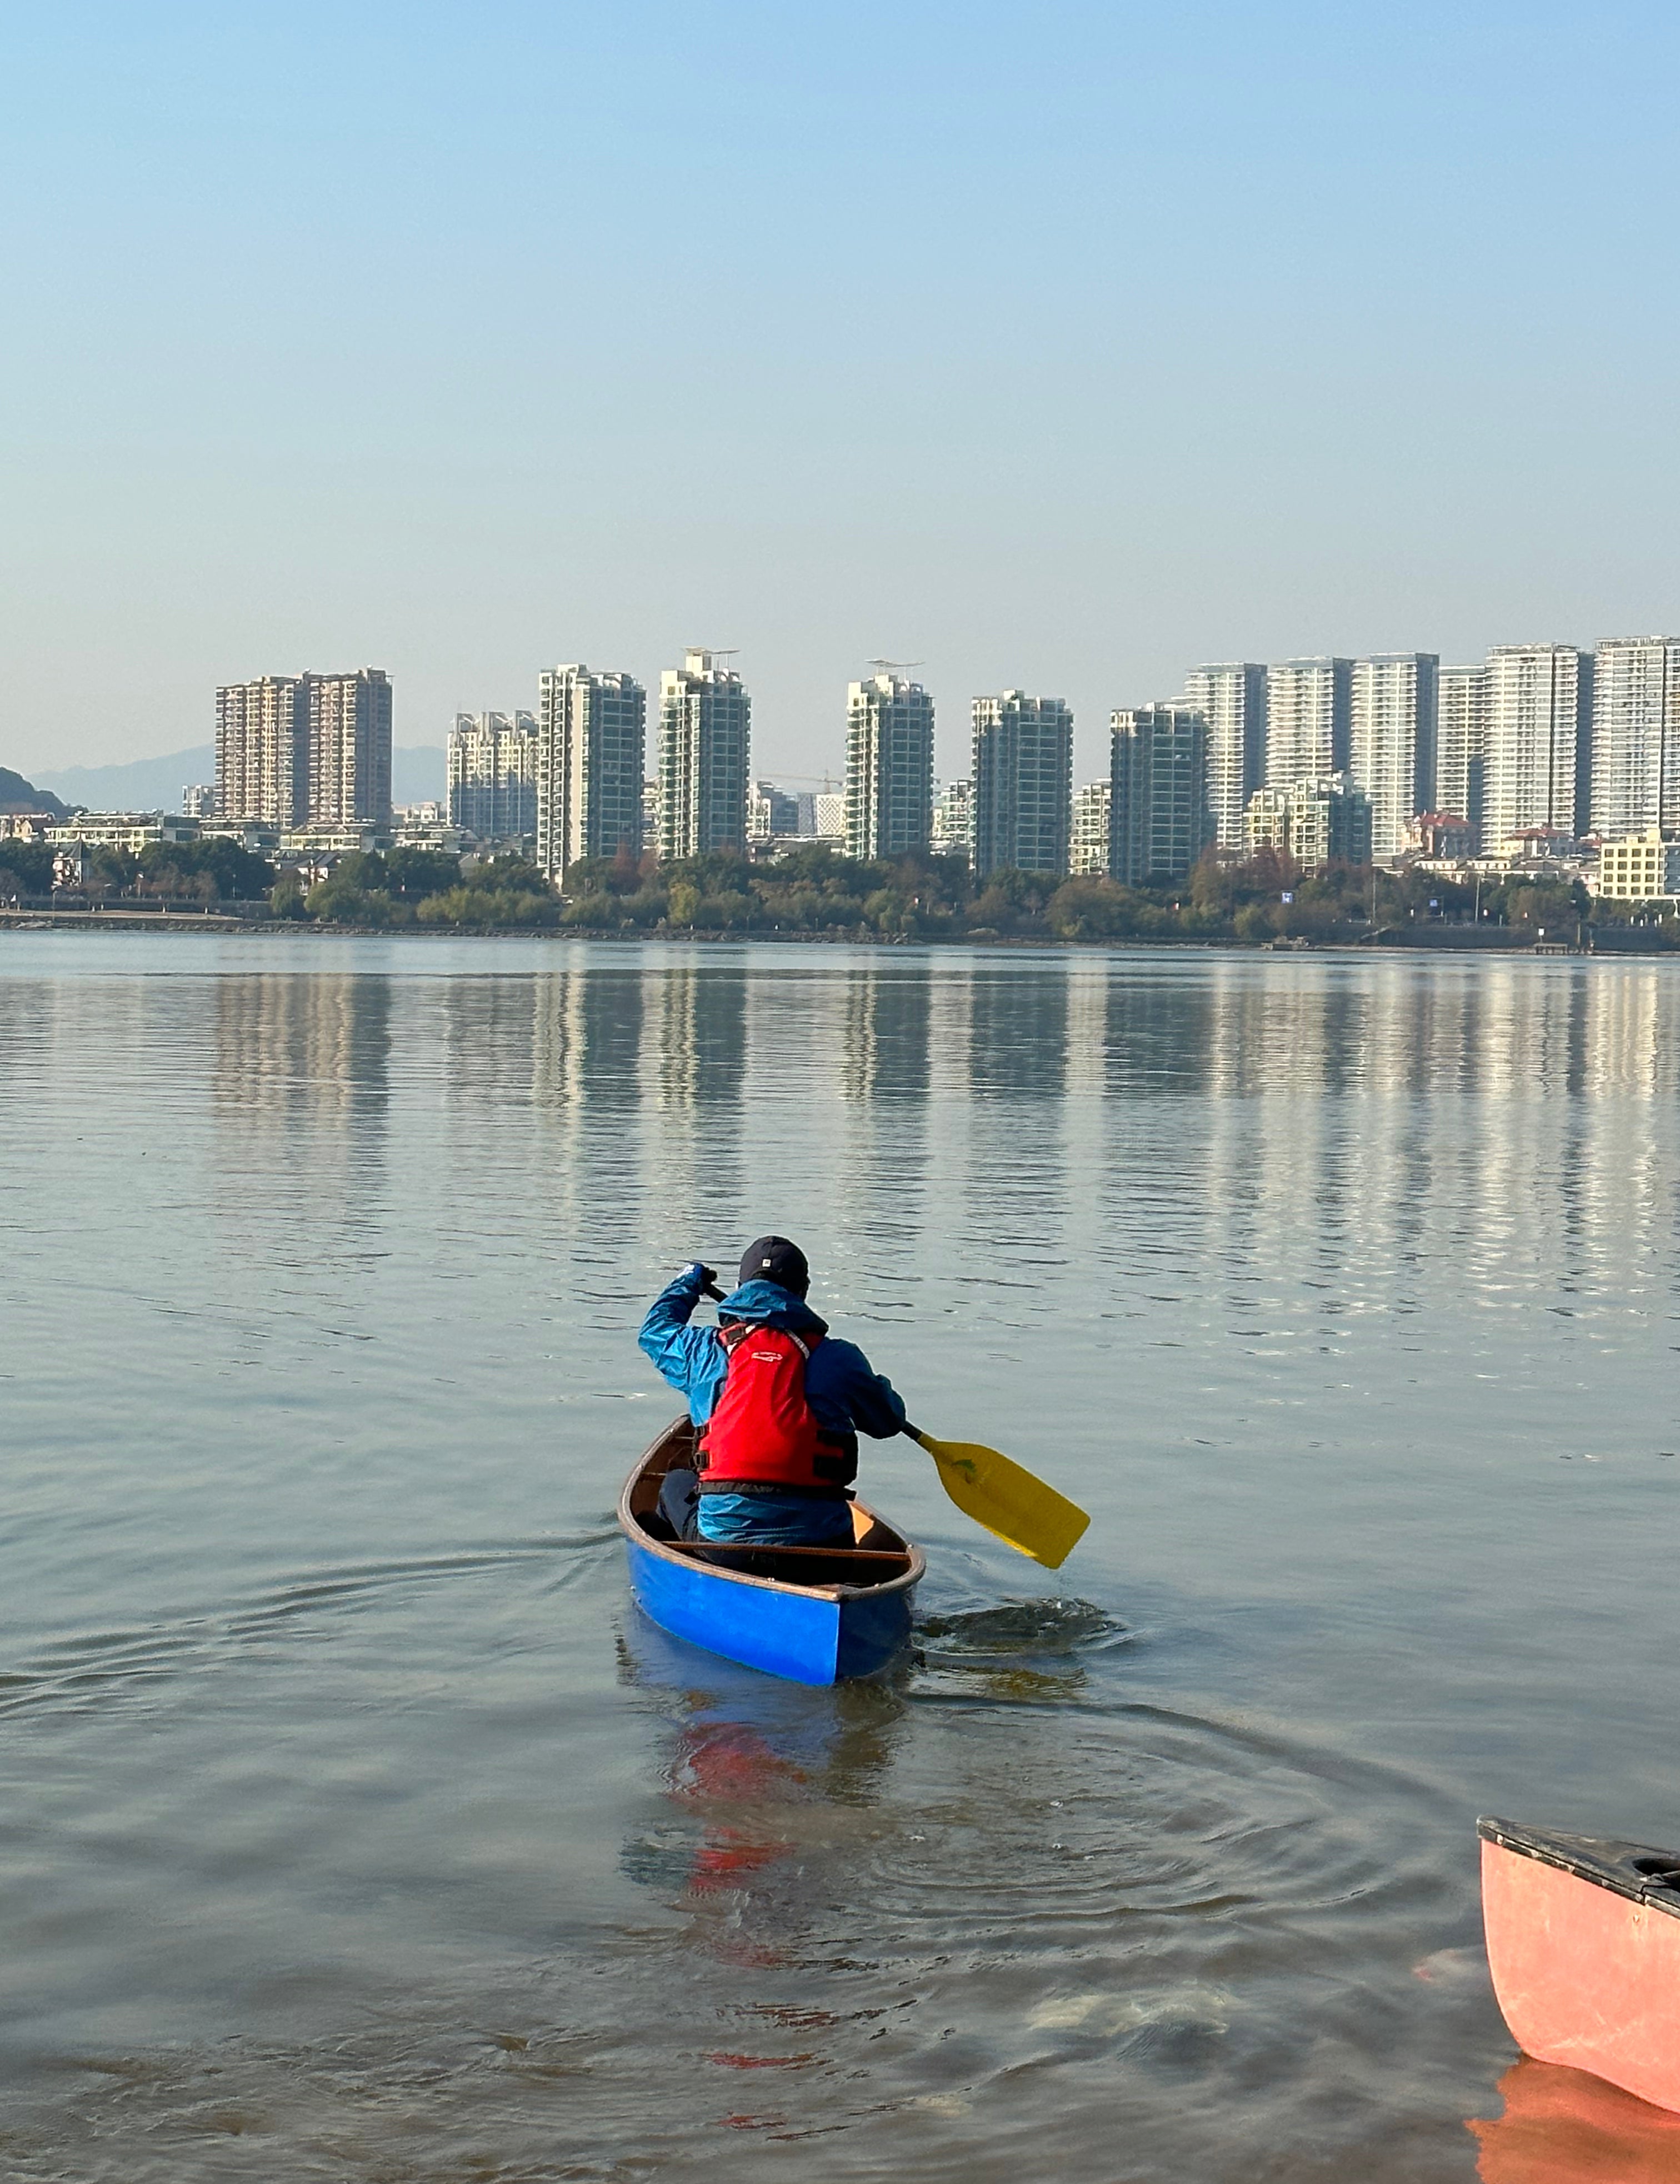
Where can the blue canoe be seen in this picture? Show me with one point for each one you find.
(816, 1615)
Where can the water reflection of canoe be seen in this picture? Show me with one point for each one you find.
(1563, 2127)
(816, 1615)
(1583, 1943)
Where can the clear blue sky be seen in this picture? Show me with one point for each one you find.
(1061, 345)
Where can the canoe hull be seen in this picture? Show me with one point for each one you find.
(1583, 1943)
(807, 1633)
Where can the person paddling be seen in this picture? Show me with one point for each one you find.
(778, 1401)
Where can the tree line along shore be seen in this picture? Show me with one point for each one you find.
(813, 892)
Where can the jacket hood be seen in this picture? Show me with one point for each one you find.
(767, 1304)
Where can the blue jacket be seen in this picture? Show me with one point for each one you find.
(845, 1393)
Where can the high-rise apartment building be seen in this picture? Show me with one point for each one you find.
(1392, 726)
(889, 767)
(591, 756)
(295, 750)
(1536, 715)
(952, 834)
(491, 764)
(1309, 719)
(1636, 736)
(1462, 744)
(1231, 697)
(772, 813)
(1159, 818)
(350, 748)
(263, 750)
(1088, 851)
(1315, 822)
(705, 751)
(1023, 782)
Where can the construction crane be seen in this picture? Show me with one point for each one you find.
(894, 666)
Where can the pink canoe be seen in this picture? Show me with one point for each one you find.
(1583, 1943)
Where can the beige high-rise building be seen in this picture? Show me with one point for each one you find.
(1462, 744)
(1537, 707)
(263, 750)
(1391, 724)
(350, 748)
(297, 750)
(1636, 736)
(705, 756)
(591, 766)
(889, 767)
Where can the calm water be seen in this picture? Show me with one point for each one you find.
(352, 1826)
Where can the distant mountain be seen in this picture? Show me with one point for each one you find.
(16, 795)
(154, 784)
(148, 784)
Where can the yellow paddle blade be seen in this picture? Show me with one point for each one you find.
(1019, 1509)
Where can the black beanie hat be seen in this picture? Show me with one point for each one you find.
(774, 1259)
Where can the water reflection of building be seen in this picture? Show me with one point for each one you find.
(301, 1094)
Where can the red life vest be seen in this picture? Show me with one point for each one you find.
(761, 1431)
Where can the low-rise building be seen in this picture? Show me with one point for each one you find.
(198, 799)
(132, 831)
(1639, 868)
(1318, 822)
(1439, 834)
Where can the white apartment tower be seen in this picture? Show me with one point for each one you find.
(889, 767)
(705, 750)
(1023, 782)
(1462, 744)
(1231, 697)
(590, 760)
(1088, 854)
(1636, 736)
(490, 761)
(295, 750)
(1308, 719)
(1537, 707)
(1159, 821)
(1391, 725)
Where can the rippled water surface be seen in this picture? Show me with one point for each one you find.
(353, 1826)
